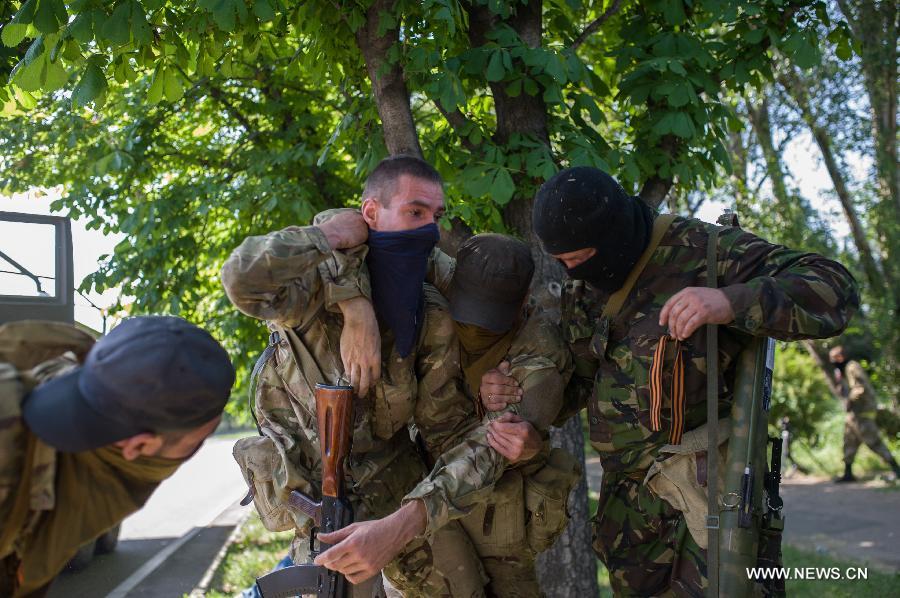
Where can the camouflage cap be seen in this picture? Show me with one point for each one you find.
(150, 374)
(492, 277)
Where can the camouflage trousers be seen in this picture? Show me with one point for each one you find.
(644, 542)
(858, 430)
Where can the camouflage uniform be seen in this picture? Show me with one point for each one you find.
(774, 292)
(859, 425)
(292, 277)
(527, 512)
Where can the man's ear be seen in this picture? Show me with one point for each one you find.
(369, 211)
(144, 444)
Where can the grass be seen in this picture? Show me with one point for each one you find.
(878, 583)
(255, 551)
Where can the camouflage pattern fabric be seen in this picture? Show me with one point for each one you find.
(774, 291)
(862, 407)
(502, 529)
(293, 278)
(859, 430)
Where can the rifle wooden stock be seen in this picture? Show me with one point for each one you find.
(334, 409)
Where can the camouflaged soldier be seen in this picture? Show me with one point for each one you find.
(88, 431)
(301, 281)
(642, 373)
(487, 285)
(861, 406)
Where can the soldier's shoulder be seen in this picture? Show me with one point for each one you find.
(542, 337)
(437, 321)
(690, 232)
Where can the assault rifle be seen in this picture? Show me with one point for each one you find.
(334, 413)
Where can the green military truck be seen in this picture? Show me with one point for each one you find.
(37, 282)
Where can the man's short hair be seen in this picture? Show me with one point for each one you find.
(382, 181)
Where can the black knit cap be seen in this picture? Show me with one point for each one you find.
(149, 374)
(491, 280)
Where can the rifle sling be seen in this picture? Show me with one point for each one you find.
(617, 300)
(712, 420)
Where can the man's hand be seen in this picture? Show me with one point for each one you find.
(691, 308)
(514, 438)
(360, 344)
(361, 550)
(498, 388)
(345, 229)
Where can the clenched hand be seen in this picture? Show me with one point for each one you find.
(361, 550)
(498, 388)
(514, 438)
(360, 344)
(691, 308)
(345, 229)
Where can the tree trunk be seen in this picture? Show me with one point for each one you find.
(797, 90)
(563, 570)
(388, 85)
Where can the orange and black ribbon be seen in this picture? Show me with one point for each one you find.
(656, 390)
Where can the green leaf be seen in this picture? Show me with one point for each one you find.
(172, 86)
(13, 34)
(140, 28)
(155, 92)
(117, 28)
(81, 27)
(263, 10)
(503, 187)
(673, 10)
(90, 86)
(54, 76)
(556, 69)
(495, 71)
(50, 14)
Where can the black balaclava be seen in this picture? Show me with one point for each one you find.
(585, 207)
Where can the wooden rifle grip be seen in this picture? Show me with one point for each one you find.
(334, 413)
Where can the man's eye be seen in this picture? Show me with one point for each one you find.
(415, 213)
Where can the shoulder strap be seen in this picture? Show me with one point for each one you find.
(19, 512)
(712, 419)
(617, 299)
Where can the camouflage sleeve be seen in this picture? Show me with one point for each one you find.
(542, 390)
(782, 293)
(466, 468)
(440, 271)
(288, 275)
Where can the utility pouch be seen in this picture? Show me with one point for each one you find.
(547, 499)
(679, 478)
(497, 527)
(264, 470)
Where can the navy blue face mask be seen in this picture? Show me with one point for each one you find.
(397, 262)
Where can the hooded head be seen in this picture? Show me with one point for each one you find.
(586, 220)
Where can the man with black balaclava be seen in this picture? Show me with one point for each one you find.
(306, 279)
(861, 406)
(642, 370)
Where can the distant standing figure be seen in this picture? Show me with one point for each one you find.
(859, 425)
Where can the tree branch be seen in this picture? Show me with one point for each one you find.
(388, 84)
(459, 122)
(596, 24)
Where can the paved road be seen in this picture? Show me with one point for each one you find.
(194, 502)
(859, 522)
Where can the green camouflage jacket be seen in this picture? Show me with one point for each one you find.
(293, 278)
(858, 391)
(774, 291)
(540, 360)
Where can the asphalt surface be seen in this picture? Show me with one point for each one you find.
(175, 537)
